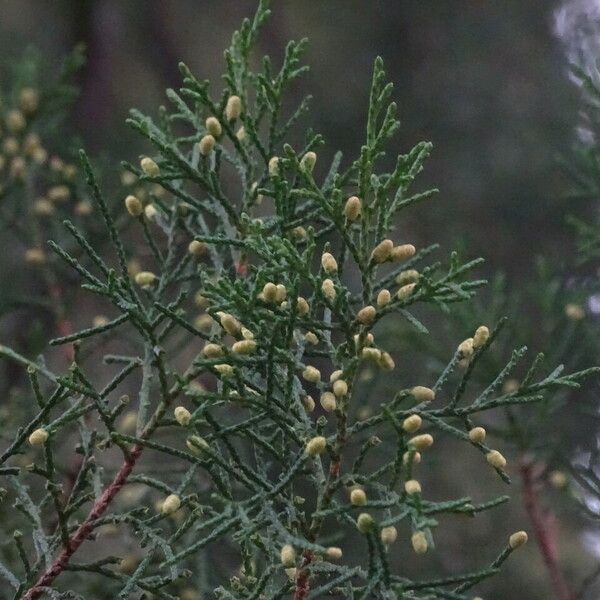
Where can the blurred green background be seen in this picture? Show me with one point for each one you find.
(485, 81)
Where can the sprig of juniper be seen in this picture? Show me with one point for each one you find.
(292, 273)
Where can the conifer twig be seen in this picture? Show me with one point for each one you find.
(543, 530)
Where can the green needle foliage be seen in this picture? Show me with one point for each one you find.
(549, 310)
(264, 285)
(40, 185)
(582, 164)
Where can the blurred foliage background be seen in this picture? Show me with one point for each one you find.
(488, 84)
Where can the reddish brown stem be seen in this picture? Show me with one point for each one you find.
(544, 533)
(84, 530)
(303, 579)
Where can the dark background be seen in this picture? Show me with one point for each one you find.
(485, 81)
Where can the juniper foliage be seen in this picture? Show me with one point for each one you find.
(39, 185)
(286, 276)
(550, 310)
(581, 164)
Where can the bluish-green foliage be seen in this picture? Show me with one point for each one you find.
(283, 287)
